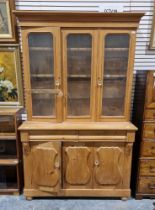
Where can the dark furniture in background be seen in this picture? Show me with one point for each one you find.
(10, 151)
(144, 118)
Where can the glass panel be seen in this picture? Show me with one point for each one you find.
(8, 177)
(42, 73)
(7, 124)
(8, 149)
(79, 50)
(115, 72)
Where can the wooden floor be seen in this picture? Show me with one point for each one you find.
(19, 203)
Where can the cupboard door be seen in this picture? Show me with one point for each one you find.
(150, 93)
(112, 79)
(77, 167)
(44, 160)
(108, 165)
(79, 72)
(43, 88)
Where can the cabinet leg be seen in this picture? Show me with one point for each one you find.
(29, 198)
(124, 198)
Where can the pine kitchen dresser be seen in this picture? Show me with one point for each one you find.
(78, 70)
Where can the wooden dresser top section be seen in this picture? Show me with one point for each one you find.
(86, 19)
(30, 125)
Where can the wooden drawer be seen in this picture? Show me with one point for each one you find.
(147, 167)
(7, 124)
(146, 185)
(149, 114)
(148, 148)
(149, 130)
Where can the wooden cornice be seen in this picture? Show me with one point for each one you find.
(86, 17)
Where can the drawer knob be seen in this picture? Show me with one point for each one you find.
(96, 163)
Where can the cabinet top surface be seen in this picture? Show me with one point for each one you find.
(30, 125)
(78, 16)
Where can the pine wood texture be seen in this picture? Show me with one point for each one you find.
(84, 154)
(59, 31)
(145, 179)
(83, 162)
(30, 125)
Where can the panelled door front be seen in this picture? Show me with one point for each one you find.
(94, 165)
(115, 74)
(43, 164)
(79, 71)
(77, 165)
(43, 89)
(108, 165)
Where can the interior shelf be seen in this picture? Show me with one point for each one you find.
(75, 49)
(8, 157)
(76, 76)
(108, 76)
(8, 136)
(9, 162)
(41, 48)
(42, 75)
(79, 49)
(11, 188)
(81, 99)
(116, 49)
(40, 91)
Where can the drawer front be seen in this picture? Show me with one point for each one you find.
(149, 130)
(148, 148)
(146, 185)
(147, 167)
(149, 114)
(7, 124)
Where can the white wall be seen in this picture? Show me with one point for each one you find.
(144, 58)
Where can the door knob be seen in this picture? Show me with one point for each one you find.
(99, 82)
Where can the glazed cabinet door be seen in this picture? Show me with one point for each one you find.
(77, 165)
(150, 93)
(42, 73)
(114, 79)
(108, 165)
(79, 66)
(42, 164)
